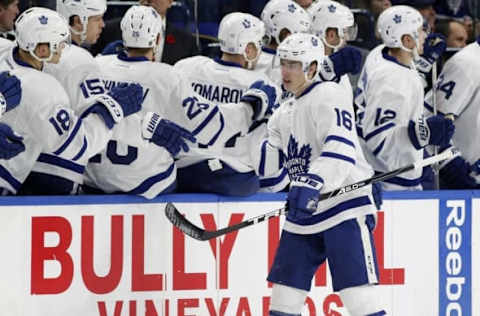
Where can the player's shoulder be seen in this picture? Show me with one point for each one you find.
(39, 92)
(191, 63)
(73, 55)
(466, 60)
(105, 59)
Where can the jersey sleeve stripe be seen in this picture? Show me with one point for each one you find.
(261, 167)
(269, 182)
(337, 156)
(379, 148)
(7, 176)
(430, 108)
(339, 139)
(379, 130)
(202, 125)
(82, 150)
(69, 139)
(59, 162)
(148, 183)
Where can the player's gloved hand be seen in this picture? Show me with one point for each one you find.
(113, 48)
(262, 98)
(165, 133)
(302, 200)
(120, 102)
(458, 174)
(10, 144)
(10, 92)
(377, 193)
(435, 130)
(344, 61)
(433, 48)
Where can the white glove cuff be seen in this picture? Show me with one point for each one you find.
(112, 106)
(149, 124)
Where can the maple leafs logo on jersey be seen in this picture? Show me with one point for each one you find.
(332, 8)
(397, 19)
(43, 19)
(291, 8)
(246, 23)
(298, 161)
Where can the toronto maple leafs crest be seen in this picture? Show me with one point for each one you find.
(298, 159)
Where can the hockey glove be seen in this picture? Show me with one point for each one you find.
(120, 102)
(113, 48)
(458, 174)
(165, 133)
(10, 144)
(377, 193)
(433, 48)
(436, 130)
(302, 200)
(346, 60)
(262, 98)
(10, 92)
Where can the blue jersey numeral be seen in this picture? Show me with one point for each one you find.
(193, 107)
(344, 118)
(92, 87)
(61, 121)
(383, 116)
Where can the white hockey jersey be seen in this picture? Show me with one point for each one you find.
(389, 95)
(48, 124)
(207, 76)
(316, 133)
(458, 92)
(149, 170)
(79, 74)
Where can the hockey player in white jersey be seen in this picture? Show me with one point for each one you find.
(390, 100)
(317, 135)
(225, 80)
(44, 118)
(168, 94)
(458, 93)
(79, 74)
(334, 24)
(10, 94)
(285, 17)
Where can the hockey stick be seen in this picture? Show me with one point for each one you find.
(436, 166)
(187, 227)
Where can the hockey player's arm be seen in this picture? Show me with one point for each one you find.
(271, 155)
(338, 154)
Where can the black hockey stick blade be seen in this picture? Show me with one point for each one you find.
(190, 229)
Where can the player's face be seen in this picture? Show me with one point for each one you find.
(293, 77)
(56, 56)
(8, 15)
(94, 28)
(422, 35)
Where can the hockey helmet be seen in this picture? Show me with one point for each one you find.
(41, 25)
(331, 14)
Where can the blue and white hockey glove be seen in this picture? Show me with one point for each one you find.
(120, 102)
(458, 174)
(113, 48)
(262, 98)
(344, 61)
(302, 200)
(436, 130)
(377, 193)
(10, 92)
(10, 144)
(165, 133)
(433, 48)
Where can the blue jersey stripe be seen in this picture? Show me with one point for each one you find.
(82, 150)
(205, 121)
(269, 182)
(60, 162)
(339, 139)
(148, 183)
(7, 176)
(337, 156)
(261, 167)
(379, 148)
(379, 130)
(222, 126)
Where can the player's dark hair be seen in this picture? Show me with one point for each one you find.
(6, 3)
